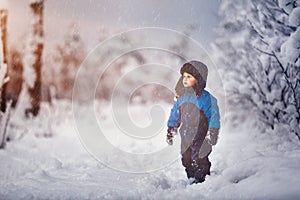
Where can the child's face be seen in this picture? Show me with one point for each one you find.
(188, 80)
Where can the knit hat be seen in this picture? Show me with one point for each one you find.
(197, 69)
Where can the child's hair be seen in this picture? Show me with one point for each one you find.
(196, 69)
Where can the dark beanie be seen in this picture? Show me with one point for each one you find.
(197, 69)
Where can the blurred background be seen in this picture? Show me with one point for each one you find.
(73, 28)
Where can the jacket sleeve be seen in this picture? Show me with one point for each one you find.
(174, 119)
(213, 113)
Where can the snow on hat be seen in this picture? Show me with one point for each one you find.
(196, 68)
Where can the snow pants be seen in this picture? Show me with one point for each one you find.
(193, 131)
(197, 168)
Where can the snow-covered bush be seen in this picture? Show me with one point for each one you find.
(260, 50)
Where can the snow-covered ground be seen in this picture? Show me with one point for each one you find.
(46, 160)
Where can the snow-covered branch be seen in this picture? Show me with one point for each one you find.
(267, 44)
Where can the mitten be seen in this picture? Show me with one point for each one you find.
(172, 131)
(212, 136)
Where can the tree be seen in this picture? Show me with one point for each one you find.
(4, 116)
(15, 70)
(67, 60)
(3, 22)
(260, 52)
(30, 96)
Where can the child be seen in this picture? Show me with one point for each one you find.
(196, 112)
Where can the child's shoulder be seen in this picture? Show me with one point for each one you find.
(207, 96)
(205, 92)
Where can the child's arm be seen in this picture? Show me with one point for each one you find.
(214, 121)
(173, 122)
(213, 114)
(174, 119)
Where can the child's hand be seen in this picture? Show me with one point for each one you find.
(212, 136)
(170, 135)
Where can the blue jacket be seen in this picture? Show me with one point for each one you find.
(205, 103)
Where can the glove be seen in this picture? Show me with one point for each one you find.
(212, 136)
(172, 131)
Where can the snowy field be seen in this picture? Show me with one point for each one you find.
(46, 160)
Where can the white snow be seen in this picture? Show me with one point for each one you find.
(288, 5)
(294, 19)
(246, 164)
(290, 49)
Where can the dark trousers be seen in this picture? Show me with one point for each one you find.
(195, 167)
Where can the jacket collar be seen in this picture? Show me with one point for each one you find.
(189, 90)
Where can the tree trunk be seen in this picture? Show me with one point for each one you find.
(30, 97)
(3, 29)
